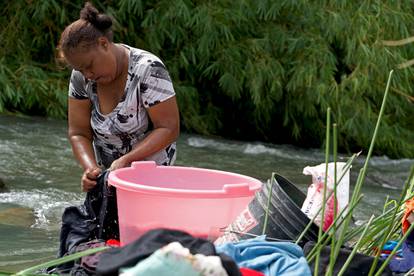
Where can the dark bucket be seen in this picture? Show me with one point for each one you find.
(285, 221)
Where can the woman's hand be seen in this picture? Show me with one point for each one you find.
(88, 181)
(121, 162)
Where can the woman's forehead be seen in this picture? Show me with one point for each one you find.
(80, 57)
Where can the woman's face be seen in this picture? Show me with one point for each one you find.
(97, 63)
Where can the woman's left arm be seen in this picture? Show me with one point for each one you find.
(166, 121)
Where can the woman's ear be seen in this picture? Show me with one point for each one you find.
(103, 42)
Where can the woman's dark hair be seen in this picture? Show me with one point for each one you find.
(86, 30)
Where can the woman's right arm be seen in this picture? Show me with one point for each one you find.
(80, 137)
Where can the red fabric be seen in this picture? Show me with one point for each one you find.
(409, 207)
(113, 243)
(250, 272)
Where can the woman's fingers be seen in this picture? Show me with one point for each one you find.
(89, 177)
(87, 184)
(93, 173)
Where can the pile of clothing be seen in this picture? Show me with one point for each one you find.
(174, 252)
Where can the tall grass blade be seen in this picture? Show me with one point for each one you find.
(409, 272)
(361, 176)
(354, 250)
(269, 199)
(325, 237)
(62, 260)
(325, 185)
(335, 150)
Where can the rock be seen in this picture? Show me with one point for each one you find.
(3, 187)
(17, 216)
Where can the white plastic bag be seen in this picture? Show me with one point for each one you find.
(314, 198)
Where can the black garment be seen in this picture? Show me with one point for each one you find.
(96, 219)
(359, 266)
(114, 259)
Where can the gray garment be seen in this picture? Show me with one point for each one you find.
(116, 133)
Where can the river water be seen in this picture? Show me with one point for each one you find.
(42, 176)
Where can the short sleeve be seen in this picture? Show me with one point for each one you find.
(156, 85)
(77, 86)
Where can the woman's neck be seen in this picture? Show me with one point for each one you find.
(122, 58)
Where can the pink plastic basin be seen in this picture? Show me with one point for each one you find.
(199, 201)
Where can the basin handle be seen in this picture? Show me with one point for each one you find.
(237, 189)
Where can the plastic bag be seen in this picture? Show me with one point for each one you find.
(314, 198)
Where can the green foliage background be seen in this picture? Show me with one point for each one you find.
(264, 70)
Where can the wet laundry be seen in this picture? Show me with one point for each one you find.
(388, 248)
(95, 220)
(250, 272)
(86, 265)
(176, 260)
(404, 263)
(270, 258)
(113, 260)
(408, 215)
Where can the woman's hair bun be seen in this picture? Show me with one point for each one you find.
(92, 15)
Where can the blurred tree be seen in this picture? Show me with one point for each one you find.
(264, 70)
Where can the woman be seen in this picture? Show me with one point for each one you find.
(122, 105)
